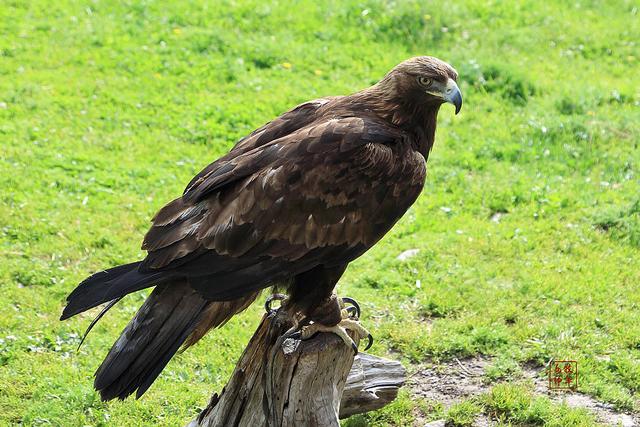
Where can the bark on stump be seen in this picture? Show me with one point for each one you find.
(300, 383)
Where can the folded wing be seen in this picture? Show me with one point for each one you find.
(310, 197)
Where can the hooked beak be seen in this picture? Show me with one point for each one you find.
(452, 95)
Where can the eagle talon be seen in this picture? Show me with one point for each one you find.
(270, 299)
(369, 343)
(352, 312)
(354, 306)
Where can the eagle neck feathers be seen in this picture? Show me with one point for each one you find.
(417, 119)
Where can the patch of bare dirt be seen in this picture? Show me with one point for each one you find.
(451, 382)
(604, 412)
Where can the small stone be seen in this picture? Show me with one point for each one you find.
(496, 217)
(626, 420)
(437, 423)
(409, 253)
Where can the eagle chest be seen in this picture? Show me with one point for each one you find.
(385, 182)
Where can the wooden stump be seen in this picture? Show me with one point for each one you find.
(373, 382)
(290, 382)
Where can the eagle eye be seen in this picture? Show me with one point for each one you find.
(424, 81)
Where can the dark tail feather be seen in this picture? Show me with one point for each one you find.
(108, 285)
(154, 335)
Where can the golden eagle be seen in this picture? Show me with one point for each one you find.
(291, 204)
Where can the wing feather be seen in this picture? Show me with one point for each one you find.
(302, 199)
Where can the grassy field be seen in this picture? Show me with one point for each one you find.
(528, 229)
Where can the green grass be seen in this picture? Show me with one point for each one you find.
(515, 405)
(107, 110)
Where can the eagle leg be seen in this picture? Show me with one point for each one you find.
(334, 314)
(349, 321)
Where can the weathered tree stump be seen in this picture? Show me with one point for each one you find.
(290, 382)
(373, 382)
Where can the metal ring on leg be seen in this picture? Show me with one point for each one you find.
(270, 299)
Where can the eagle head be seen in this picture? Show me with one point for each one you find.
(424, 81)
